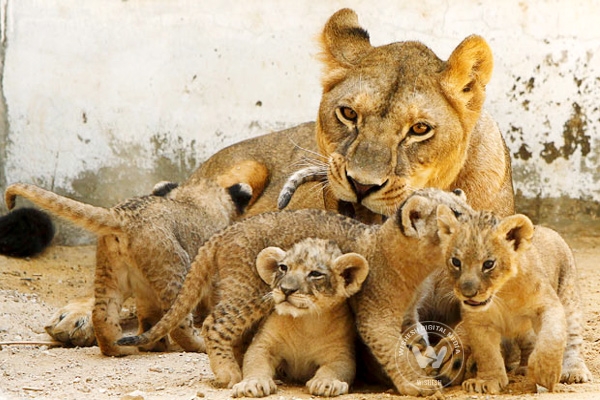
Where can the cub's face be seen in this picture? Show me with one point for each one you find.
(395, 118)
(311, 277)
(482, 253)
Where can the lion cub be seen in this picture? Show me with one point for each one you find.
(145, 248)
(311, 333)
(511, 277)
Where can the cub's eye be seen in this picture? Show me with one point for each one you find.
(489, 265)
(455, 262)
(283, 267)
(420, 129)
(348, 114)
(315, 274)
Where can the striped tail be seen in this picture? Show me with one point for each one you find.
(99, 220)
(298, 178)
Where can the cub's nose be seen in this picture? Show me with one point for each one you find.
(469, 289)
(288, 290)
(362, 190)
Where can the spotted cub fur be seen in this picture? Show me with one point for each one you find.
(310, 336)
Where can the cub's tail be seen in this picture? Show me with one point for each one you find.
(25, 232)
(95, 219)
(298, 178)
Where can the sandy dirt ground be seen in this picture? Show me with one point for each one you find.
(30, 291)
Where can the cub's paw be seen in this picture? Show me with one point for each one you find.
(326, 387)
(431, 388)
(254, 387)
(489, 386)
(226, 377)
(545, 368)
(575, 372)
(72, 324)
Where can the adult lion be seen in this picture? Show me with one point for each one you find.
(392, 119)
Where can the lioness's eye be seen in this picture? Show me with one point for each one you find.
(283, 267)
(315, 274)
(348, 114)
(488, 265)
(420, 129)
(455, 262)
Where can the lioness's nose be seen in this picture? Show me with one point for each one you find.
(362, 190)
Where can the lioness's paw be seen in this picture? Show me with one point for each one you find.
(575, 372)
(254, 387)
(489, 386)
(326, 387)
(72, 324)
(228, 376)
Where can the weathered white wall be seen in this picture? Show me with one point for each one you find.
(106, 97)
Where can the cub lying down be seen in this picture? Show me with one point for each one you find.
(401, 253)
(311, 333)
(511, 278)
(145, 247)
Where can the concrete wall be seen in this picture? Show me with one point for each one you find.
(103, 98)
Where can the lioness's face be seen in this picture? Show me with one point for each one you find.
(394, 118)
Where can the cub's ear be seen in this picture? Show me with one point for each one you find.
(267, 263)
(353, 268)
(413, 216)
(518, 230)
(446, 220)
(468, 70)
(344, 43)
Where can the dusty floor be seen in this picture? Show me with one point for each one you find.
(30, 290)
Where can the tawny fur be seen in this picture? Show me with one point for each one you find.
(419, 123)
(512, 279)
(400, 253)
(145, 247)
(310, 335)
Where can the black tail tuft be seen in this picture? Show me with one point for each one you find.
(131, 341)
(241, 194)
(25, 232)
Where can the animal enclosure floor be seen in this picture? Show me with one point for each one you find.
(30, 291)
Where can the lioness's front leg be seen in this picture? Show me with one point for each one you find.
(485, 347)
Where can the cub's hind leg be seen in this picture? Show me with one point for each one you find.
(224, 328)
(110, 289)
(166, 278)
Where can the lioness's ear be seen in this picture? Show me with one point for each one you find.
(517, 229)
(413, 214)
(344, 43)
(353, 268)
(267, 263)
(468, 70)
(446, 220)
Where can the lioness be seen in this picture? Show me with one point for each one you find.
(145, 247)
(310, 336)
(511, 277)
(392, 119)
(401, 253)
